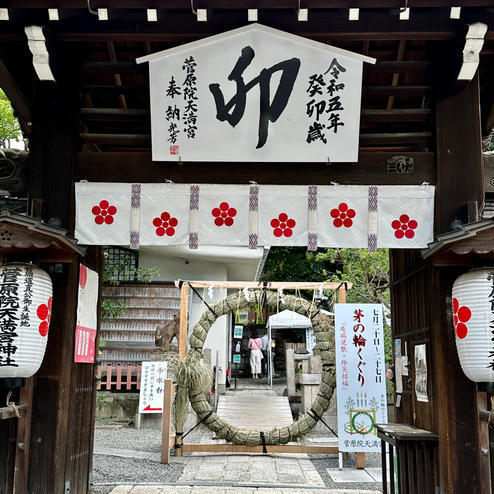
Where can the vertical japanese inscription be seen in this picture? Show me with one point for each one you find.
(323, 110)
(172, 112)
(28, 296)
(9, 306)
(189, 87)
(359, 342)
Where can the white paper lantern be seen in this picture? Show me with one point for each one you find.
(25, 313)
(473, 320)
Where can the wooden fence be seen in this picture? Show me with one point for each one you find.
(121, 377)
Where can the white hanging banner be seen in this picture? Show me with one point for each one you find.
(164, 215)
(360, 376)
(343, 216)
(223, 214)
(283, 215)
(255, 94)
(87, 316)
(102, 213)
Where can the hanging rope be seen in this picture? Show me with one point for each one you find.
(203, 301)
(12, 405)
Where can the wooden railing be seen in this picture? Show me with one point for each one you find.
(119, 376)
(415, 454)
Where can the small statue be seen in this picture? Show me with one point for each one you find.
(165, 333)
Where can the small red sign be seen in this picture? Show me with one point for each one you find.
(173, 149)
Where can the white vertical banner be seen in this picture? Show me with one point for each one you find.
(360, 376)
(87, 316)
(151, 395)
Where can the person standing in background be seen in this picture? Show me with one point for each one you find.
(264, 349)
(255, 346)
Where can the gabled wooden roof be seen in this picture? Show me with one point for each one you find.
(471, 240)
(20, 233)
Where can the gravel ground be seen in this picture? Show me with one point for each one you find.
(111, 470)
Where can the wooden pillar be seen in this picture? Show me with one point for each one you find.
(184, 314)
(63, 400)
(460, 167)
(167, 422)
(460, 179)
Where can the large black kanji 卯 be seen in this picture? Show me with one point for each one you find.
(269, 110)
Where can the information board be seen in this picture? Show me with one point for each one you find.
(360, 376)
(153, 377)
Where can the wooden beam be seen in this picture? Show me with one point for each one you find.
(240, 448)
(402, 115)
(115, 114)
(107, 89)
(396, 76)
(398, 138)
(115, 67)
(116, 77)
(289, 285)
(385, 91)
(117, 139)
(398, 67)
(143, 114)
(139, 167)
(15, 95)
(240, 4)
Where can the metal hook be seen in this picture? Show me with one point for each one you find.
(402, 9)
(91, 11)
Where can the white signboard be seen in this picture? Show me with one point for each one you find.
(360, 376)
(87, 315)
(153, 377)
(255, 94)
(310, 340)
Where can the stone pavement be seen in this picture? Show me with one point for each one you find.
(288, 473)
(170, 489)
(252, 469)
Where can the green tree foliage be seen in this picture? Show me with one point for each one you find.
(9, 126)
(367, 271)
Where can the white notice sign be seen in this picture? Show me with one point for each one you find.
(360, 376)
(153, 377)
(255, 94)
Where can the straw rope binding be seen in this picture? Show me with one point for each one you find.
(192, 370)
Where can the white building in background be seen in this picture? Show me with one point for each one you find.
(210, 263)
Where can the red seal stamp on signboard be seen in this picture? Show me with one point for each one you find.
(173, 149)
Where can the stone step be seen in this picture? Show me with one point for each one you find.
(256, 412)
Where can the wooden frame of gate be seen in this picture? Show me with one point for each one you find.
(169, 441)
